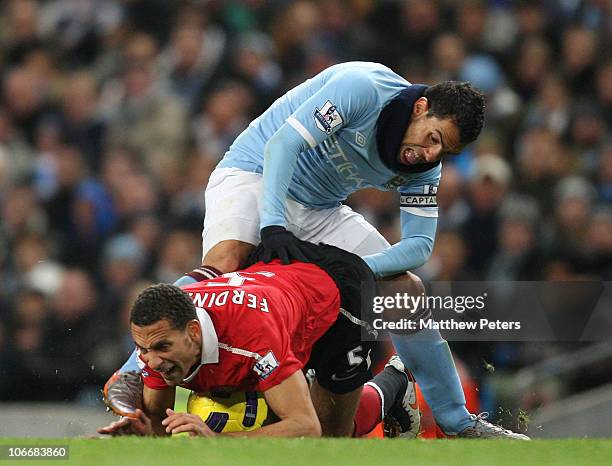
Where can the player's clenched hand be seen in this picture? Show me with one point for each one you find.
(278, 242)
(176, 423)
(139, 425)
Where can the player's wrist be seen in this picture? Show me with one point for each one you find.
(271, 229)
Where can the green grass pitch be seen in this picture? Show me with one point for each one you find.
(311, 452)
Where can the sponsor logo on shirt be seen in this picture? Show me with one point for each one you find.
(347, 169)
(327, 117)
(265, 366)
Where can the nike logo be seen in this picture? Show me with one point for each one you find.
(337, 378)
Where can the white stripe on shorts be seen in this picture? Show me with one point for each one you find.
(361, 323)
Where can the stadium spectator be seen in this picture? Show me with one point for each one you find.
(140, 111)
(21, 22)
(15, 154)
(516, 257)
(224, 116)
(252, 60)
(448, 54)
(448, 259)
(122, 263)
(25, 99)
(31, 313)
(80, 121)
(178, 253)
(192, 59)
(454, 208)
(489, 184)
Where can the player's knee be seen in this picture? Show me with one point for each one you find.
(228, 256)
(412, 285)
(412, 282)
(416, 284)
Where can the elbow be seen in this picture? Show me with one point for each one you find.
(427, 249)
(315, 429)
(312, 427)
(271, 147)
(423, 251)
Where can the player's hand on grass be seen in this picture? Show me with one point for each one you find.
(176, 423)
(279, 243)
(138, 425)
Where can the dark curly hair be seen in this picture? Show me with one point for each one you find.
(163, 301)
(461, 102)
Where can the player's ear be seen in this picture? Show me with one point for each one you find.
(194, 330)
(420, 107)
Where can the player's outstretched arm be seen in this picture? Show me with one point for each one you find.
(156, 402)
(412, 251)
(143, 423)
(290, 401)
(138, 424)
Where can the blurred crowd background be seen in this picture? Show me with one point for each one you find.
(113, 113)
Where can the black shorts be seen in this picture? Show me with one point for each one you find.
(341, 357)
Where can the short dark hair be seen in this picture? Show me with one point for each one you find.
(160, 302)
(461, 102)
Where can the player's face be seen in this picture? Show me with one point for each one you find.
(427, 139)
(169, 351)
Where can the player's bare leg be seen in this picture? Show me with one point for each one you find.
(228, 256)
(336, 412)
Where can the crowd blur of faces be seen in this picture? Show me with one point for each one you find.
(113, 113)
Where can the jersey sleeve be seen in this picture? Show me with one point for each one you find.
(153, 379)
(419, 219)
(274, 367)
(276, 360)
(341, 102)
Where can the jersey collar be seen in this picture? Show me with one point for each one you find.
(210, 343)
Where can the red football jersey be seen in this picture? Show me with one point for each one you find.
(258, 325)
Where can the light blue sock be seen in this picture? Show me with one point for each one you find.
(429, 358)
(185, 280)
(132, 363)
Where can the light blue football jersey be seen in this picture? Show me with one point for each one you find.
(318, 144)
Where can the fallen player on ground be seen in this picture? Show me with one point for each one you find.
(257, 330)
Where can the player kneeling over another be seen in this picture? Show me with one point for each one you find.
(257, 330)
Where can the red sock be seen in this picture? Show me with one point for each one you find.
(369, 411)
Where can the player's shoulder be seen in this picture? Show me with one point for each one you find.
(367, 72)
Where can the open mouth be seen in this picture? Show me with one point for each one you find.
(168, 371)
(410, 157)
